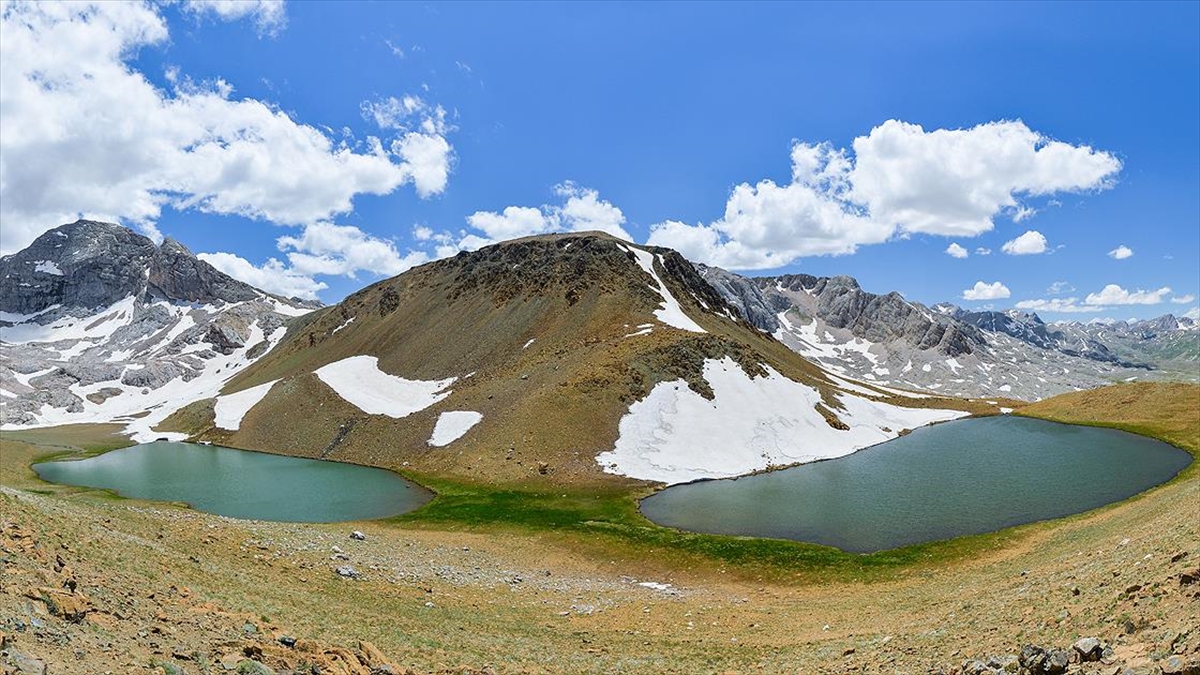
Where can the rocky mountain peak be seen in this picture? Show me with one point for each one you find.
(89, 264)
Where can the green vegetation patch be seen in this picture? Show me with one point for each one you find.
(607, 524)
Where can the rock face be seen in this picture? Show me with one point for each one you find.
(96, 321)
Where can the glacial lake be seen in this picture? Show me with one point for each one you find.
(243, 484)
(964, 477)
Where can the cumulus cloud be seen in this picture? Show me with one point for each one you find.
(268, 15)
(1120, 253)
(956, 251)
(1112, 294)
(983, 251)
(581, 210)
(322, 249)
(513, 222)
(1183, 299)
(325, 248)
(1060, 287)
(983, 291)
(272, 276)
(1030, 243)
(899, 180)
(1193, 314)
(1056, 305)
(955, 181)
(85, 134)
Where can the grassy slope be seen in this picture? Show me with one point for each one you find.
(1002, 590)
(1169, 411)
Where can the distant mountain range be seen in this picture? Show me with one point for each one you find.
(944, 348)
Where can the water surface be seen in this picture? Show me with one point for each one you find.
(243, 484)
(947, 480)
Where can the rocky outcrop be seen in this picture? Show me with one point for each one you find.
(760, 308)
(176, 274)
(89, 264)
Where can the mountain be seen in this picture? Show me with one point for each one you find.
(98, 323)
(563, 359)
(892, 341)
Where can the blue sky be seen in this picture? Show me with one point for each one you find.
(231, 126)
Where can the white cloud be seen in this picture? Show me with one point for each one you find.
(399, 113)
(325, 248)
(322, 249)
(513, 222)
(426, 160)
(1023, 213)
(273, 276)
(86, 134)
(983, 251)
(982, 291)
(955, 181)
(1183, 299)
(1113, 294)
(769, 225)
(956, 251)
(1120, 253)
(268, 15)
(1193, 314)
(1057, 305)
(1060, 287)
(900, 180)
(1030, 243)
(581, 210)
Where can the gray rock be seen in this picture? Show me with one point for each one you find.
(1088, 648)
(1175, 665)
(154, 375)
(1057, 661)
(347, 571)
(27, 665)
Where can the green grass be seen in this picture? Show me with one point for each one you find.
(609, 524)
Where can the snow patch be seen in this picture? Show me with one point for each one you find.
(452, 425)
(672, 312)
(47, 267)
(526, 345)
(674, 435)
(231, 408)
(359, 381)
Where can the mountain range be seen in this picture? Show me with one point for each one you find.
(572, 358)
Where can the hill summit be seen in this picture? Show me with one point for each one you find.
(556, 358)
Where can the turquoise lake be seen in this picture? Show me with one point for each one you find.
(243, 484)
(964, 477)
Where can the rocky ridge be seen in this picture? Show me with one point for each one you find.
(945, 349)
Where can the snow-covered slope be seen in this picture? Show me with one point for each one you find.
(675, 435)
(99, 324)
